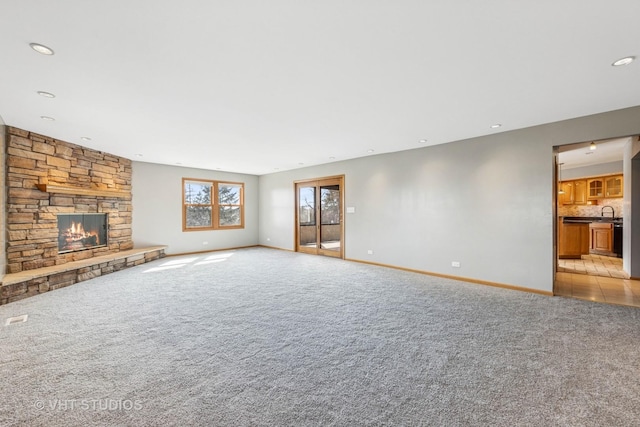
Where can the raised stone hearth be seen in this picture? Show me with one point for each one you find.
(28, 283)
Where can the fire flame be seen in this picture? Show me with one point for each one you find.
(76, 232)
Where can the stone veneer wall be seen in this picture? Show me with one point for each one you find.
(32, 233)
(3, 213)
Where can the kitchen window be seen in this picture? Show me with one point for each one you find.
(212, 205)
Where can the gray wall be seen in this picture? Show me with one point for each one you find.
(157, 210)
(486, 202)
(631, 230)
(3, 203)
(593, 170)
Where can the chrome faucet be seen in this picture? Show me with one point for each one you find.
(613, 214)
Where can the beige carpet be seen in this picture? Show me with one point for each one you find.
(262, 337)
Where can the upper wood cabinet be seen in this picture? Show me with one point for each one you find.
(585, 191)
(573, 192)
(613, 186)
(565, 193)
(580, 192)
(595, 188)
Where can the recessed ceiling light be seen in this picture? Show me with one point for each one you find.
(495, 126)
(178, 163)
(138, 155)
(332, 158)
(624, 61)
(422, 141)
(301, 163)
(85, 138)
(588, 152)
(40, 48)
(51, 119)
(369, 151)
(46, 94)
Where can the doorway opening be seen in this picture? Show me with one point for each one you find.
(320, 216)
(589, 219)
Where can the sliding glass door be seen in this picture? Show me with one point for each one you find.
(319, 217)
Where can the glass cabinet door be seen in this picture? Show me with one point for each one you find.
(613, 186)
(596, 188)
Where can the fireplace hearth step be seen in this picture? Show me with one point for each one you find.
(16, 286)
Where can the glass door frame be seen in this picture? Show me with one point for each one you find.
(318, 183)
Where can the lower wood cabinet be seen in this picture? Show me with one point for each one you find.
(601, 237)
(573, 240)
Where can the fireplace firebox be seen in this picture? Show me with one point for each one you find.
(77, 232)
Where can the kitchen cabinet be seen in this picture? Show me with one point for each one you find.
(595, 188)
(565, 194)
(579, 195)
(580, 188)
(575, 192)
(601, 237)
(613, 186)
(604, 187)
(573, 240)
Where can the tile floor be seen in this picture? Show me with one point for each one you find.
(595, 265)
(596, 278)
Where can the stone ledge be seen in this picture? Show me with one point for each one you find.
(16, 286)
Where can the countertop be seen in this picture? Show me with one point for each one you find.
(590, 219)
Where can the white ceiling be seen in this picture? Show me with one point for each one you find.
(258, 86)
(580, 155)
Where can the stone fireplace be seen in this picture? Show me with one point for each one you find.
(81, 231)
(52, 184)
(68, 215)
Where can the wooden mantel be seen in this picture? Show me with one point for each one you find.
(52, 188)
